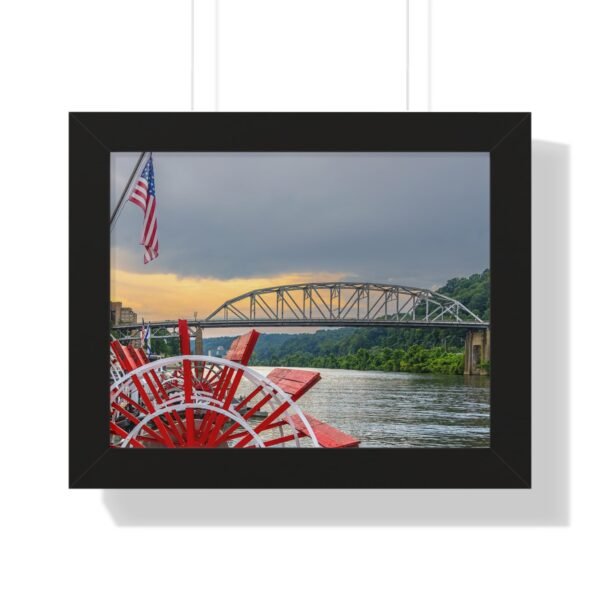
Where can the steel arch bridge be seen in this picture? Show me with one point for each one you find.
(331, 304)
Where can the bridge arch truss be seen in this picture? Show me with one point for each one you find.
(345, 303)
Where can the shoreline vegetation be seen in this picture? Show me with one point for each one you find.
(415, 359)
(371, 349)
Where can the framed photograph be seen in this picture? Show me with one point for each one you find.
(300, 300)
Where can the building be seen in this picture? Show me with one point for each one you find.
(121, 315)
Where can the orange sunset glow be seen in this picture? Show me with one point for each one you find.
(165, 296)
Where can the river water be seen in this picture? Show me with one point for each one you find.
(407, 410)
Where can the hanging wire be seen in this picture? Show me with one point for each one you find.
(192, 44)
(217, 26)
(407, 54)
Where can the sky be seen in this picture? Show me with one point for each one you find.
(232, 222)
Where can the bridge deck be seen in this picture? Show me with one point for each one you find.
(311, 323)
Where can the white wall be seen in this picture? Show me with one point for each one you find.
(136, 55)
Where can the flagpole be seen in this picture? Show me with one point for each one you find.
(115, 213)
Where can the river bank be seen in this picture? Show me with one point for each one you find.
(415, 359)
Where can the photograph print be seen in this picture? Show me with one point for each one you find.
(299, 300)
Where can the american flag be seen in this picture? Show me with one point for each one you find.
(145, 337)
(144, 196)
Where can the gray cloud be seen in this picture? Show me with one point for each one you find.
(416, 218)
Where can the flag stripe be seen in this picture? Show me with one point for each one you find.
(138, 203)
(140, 196)
(149, 220)
(150, 241)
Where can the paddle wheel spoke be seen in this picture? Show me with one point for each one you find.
(133, 419)
(123, 434)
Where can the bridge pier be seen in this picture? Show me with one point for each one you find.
(198, 344)
(477, 350)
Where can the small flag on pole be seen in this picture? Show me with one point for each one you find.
(144, 196)
(145, 337)
(147, 340)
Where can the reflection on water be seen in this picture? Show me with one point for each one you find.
(406, 410)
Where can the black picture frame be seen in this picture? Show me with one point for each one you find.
(505, 136)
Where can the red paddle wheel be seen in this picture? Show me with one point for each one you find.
(197, 401)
